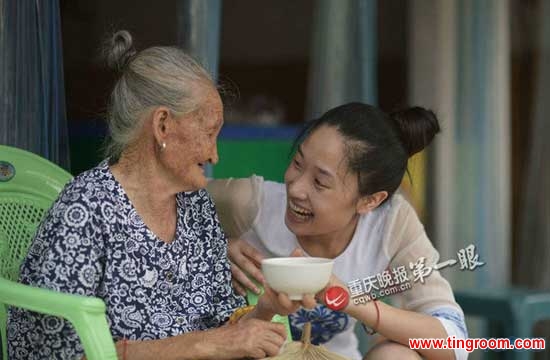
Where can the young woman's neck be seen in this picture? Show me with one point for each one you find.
(329, 245)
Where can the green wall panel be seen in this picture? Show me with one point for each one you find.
(242, 158)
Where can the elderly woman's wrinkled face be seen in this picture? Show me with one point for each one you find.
(192, 145)
(322, 193)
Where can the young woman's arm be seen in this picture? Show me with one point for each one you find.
(428, 308)
(237, 204)
(400, 325)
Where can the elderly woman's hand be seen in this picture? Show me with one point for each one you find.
(245, 259)
(249, 338)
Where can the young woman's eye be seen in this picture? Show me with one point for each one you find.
(297, 164)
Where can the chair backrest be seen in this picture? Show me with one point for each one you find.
(28, 186)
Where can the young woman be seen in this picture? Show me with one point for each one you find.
(340, 201)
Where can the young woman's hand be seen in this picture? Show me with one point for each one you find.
(272, 302)
(333, 281)
(280, 303)
(350, 308)
(245, 259)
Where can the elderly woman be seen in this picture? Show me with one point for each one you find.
(340, 201)
(138, 232)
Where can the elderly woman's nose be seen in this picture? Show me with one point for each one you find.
(214, 157)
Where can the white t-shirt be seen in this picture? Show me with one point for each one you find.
(386, 238)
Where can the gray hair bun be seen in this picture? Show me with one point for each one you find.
(119, 50)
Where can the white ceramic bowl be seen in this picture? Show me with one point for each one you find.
(296, 276)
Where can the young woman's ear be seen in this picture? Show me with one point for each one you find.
(160, 125)
(370, 202)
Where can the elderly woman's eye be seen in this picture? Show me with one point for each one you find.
(319, 184)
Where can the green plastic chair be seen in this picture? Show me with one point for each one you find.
(28, 186)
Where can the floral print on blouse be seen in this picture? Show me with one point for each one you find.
(92, 242)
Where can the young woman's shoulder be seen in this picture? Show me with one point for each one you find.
(398, 211)
(402, 225)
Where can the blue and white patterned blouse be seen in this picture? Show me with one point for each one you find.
(92, 242)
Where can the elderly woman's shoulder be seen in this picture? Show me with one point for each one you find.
(97, 182)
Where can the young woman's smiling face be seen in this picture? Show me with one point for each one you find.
(322, 194)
